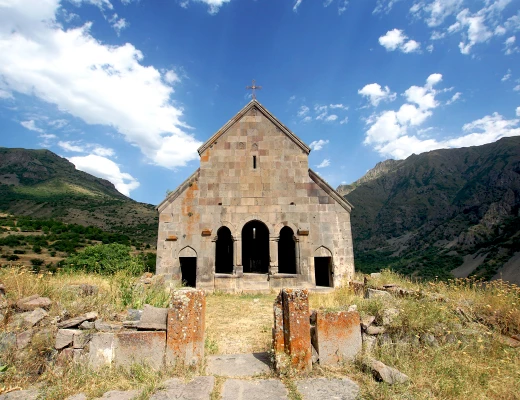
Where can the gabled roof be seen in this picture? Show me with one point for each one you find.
(244, 111)
(177, 192)
(330, 191)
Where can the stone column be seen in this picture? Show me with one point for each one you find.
(297, 254)
(239, 268)
(273, 254)
(297, 328)
(185, 328)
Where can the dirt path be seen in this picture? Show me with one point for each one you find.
(239, 323)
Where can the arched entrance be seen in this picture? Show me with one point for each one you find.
(188, 264)
(255, 247)
(286, 252)
(224, 251)
(323, 268)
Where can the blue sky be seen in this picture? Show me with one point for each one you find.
(128, 89)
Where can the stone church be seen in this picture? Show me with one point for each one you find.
(253, 216)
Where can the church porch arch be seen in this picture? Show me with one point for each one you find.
(255, 247)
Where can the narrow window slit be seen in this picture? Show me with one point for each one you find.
(254, 162)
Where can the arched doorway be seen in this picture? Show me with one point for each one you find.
(286, 252)
(224, 251)
(323, 268)
(255, 247)
(188, 264)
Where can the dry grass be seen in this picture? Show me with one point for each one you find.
(239, 323)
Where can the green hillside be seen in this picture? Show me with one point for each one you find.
(40, 184)
(434, 212)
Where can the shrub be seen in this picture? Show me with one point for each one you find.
(13, 257)
(37, 249)
(19, 252)
(106, 259)
(37, 262)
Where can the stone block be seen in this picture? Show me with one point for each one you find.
(20, 395)
(199, 388)
(264, 389)
(153, 318)
(374, 293)
(139, 348)
(34, 317)
(239, 365)
(76, 321)
(186, 326)
(101, 350)
(278, 335)
(297, 337)
(338, 336)
(33, 302)
(323, 388)
(81, 339)
(106, 326)
(65, 337)
(23, 339)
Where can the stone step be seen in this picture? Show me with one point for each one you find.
(239, 365)
(321, 289)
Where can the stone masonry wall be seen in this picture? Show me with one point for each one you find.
(228, 191)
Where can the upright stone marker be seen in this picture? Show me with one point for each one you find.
(338, 336)
(296, 326)
(185, 327)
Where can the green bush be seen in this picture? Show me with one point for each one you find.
(37, 262)
(106, 259)
(13, 257)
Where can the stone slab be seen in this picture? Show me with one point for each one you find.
(264, 389)
(101, 350)
(330, 389)
(297, 328)
(140, 347)
(120, 395)
(153, 318)
(338, 336)
(239, 365)
(199, 388)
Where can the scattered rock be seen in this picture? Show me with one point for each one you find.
(130, 324)
(508, 341)
(358, 287)
(32, 318)
(369, 342)
(450, 338)
(80, 396)
(23, 339)
(389, 314)
(81, 339)
(374, 293)
(516, 337)
(375, 275)
(87, 325)
(367, 321)
(106, 327)
(65, 337)
(7, 341)
(2, 289)
(133, 314)
(76, 321)
(352, 308)
(384, 373)
(33, 302)
(20, 395)
(323, 388)
(65, 356)
(429, 340)
(153, 318)
(375, 330)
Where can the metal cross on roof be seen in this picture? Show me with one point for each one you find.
(253, 87)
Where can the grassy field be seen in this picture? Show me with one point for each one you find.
(476, 365)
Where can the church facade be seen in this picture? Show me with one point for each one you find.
(254, 217)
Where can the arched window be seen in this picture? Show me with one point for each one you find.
(286, 252)
(224, 251)
(255, 247)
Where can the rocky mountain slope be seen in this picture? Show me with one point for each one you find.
(442, 211)
(41, 184)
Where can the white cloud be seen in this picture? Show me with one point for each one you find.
(318, 144)
(101, 4)
(323, 164)
(436, 11)
(331, 118)
(307, 119)
(291, 99)
(104, 168)
(103, 151)
(213, 5)
(31, 125)
(429, 48)
(506, 76)
(170, 76)
(477, 31)
(118, 24)
(510, 47)
(517, 88)
(518, 111)
(296, 5)
(98, 83)
(344, 121)
(47, 136)
(341, 106)
(396, 39)
(303, 111)
(454, 98)
(70, 146)
(58, 123)
(376, 94)
(384, 6)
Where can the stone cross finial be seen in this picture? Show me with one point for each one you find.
(253, 87)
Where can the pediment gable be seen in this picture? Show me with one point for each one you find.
(253, 104)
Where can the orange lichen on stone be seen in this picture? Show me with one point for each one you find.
(185, 328)
(171, 238)
(278, 335)
(296, 326)
(338, 336)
